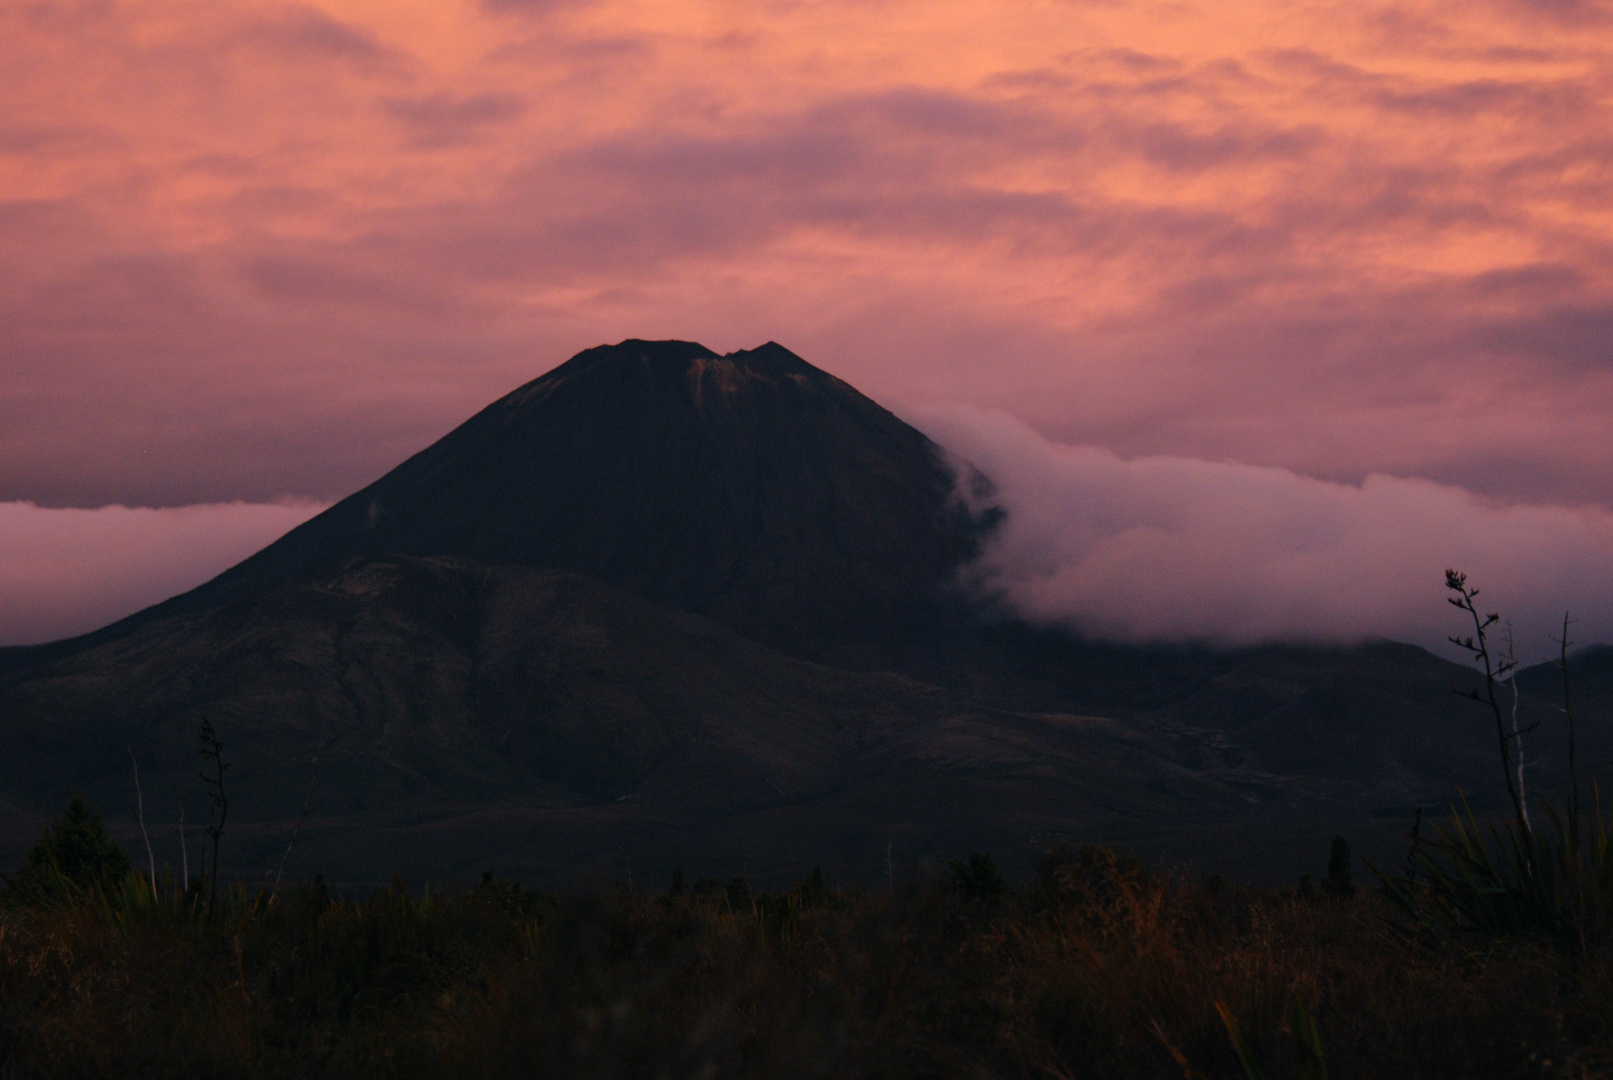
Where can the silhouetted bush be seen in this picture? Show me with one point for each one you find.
(738, 895)
(1096, 873)
(1512, 880)
(812, 891)
(74, 855)
(1338, 883)
(978, 879)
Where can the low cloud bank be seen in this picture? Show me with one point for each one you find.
(1173, 549)
(1145, 549)
(65, 572)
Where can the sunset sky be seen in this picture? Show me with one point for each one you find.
(254, 254)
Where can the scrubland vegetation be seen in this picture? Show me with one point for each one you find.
(1096, 968)
(1489, 953)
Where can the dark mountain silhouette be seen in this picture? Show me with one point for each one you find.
(667, 606)
(752, 488)
(1590, 674)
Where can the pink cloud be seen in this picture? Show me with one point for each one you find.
(66, 572)
(443, 119)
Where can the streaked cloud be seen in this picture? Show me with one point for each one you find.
(443, 119)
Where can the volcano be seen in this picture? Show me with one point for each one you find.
(752, 488)
(663, 607)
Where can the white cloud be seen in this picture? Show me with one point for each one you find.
(1169, 548)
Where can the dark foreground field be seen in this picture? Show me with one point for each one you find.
(1092, 969)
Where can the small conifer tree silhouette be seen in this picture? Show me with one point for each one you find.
(74, 852)
(1338, 883)
(978, 879)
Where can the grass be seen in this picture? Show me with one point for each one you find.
(1094, 969)
(1553, 885)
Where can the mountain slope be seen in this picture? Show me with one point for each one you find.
(420, 692)
(456, 717)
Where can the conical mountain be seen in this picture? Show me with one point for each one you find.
(752, 488)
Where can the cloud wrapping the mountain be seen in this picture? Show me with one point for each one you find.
(68, 571)
(1170, 549)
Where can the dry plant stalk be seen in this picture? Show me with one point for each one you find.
(140, 809)
(212, 751)
(295, 832)
(1495, 669)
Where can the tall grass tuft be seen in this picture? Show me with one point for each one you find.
(1552, 884)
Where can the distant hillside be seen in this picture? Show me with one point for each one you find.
(1590, 680)
(570, 719)
(455, 717)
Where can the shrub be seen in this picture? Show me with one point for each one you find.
(73, 855)
(1555, 885)
(1096, 873)
(978, 879)
(1338, 883)
(738, 896)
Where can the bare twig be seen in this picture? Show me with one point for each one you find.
(140, 809)
(295, 832)
(1568, 711)
(1416, 846)
(184, 848)
(1511, 659)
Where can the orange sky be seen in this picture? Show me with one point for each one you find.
(265, 250)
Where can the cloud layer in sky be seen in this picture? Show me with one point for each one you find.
(68, 571)
(251, 249)
(1174, 549)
